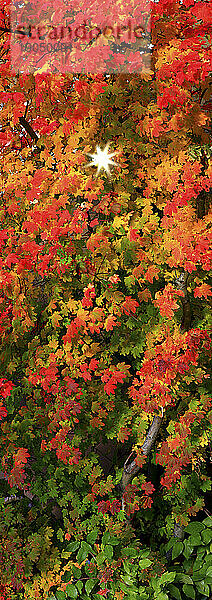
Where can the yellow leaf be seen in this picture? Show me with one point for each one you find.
(204, 440)
(72, 305)
(53, 343)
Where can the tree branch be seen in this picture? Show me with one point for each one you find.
(28, 128)
(130, 466)
(178, 531)
(181, 284)
(5, 30)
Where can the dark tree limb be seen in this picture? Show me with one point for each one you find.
(181, 284)
(130, 467)
(203, 200)
(5, 30)
(151, 435)
(178, 534)
(26, 109)
(178, 531)
(28, 129)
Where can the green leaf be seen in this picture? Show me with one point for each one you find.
(127, 567)
(143, 564)
(206, 590)
(170, 544)
(156, 584)
(72, 547)
(207, 558)
(168, 577)
(60, 534)
(71, 591)
(92, 536)
(206, 536)
(114, 541)
(177, 549)
(141, 589)
(208, 522)
(100, 558)
(196, 540)
(108, 550)
(187, 565)
(202, 588)
(209, 572)
(200, 552)
(144, 553)
(189, 591)
(129, 281)
(200, 575)
(105, 538)
(89, 585)
(79, 585)
(206, 486)
(175, 592)
(83, 551)
(162, 596)
(131, 552)
(171, 427)
(76, 572)
(195, 527)
(125, 587)
(109, 539)
(60, 595)
(127, 579)
(183, 578)
(197, 564)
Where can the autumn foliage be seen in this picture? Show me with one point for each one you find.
(105, 321)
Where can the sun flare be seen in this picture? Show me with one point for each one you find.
(102, 159)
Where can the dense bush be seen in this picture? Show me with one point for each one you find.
(105, 325)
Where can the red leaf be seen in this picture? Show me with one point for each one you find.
(3, 412)
(147, 487)
(111, 322)
(202, 290)
(21, 457)
(129, 305)
(166, 301)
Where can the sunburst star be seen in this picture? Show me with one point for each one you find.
(102, 159)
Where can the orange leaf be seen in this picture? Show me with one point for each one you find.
(111, 322)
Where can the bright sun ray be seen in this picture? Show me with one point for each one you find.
(102, 159)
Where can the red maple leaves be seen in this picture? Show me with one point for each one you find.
(113, 376)
(203, 290)
(113, 506)
(5, 387)
(17, 475)
(171, 358)
(166, 300)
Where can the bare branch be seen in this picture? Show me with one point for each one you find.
(28, 128)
